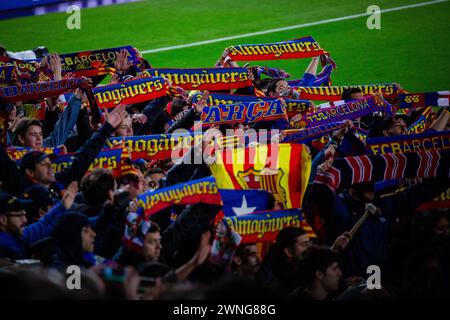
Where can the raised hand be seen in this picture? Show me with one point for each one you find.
(54, 63)
(325, 166)
(139, 118)
(115, 117)
(122, 63)
(69, 194)
(221, 59)
(203, 249)
(342, 241)
(202, 102)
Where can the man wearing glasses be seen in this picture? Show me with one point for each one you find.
(15, 236)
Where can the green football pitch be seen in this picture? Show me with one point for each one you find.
(411, 48)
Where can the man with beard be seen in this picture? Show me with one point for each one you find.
(246, 261)
(278, 268)
(319, 274)
(15, 236)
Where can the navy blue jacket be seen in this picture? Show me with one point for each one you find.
(369, 245)
(15, 248)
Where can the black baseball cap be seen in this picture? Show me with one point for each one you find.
(10, 203)
(32, 158)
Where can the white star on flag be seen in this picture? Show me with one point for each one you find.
(243, 209)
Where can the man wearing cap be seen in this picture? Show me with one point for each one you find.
(15, 236)
(36, 166)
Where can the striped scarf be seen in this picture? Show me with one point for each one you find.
(350, 170)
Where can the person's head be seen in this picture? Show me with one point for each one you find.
(362, 192)
(392, 127)
(87, 239)
(12, 113)
(277, 87)
(37, 166)
(98, 186)
(3, 52)
(293, 241)
(441, 225)
(42, 201)
(153, 177)
(137, 182)
(352, 93)
(125, 129)
(73, 236)
(433, 226)
(12, 214)
(319, 268)
(152, 243)
(29, 133)
(176, 106)
(246, 259)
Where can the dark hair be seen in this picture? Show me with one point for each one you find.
(347, 94)
(272, 85)
(241, 250)
(388, 124)
(25, 123)
(154, 227)
(96, 186)
(129, 178)
(177, 106)
(154, 171)
(288, 236)
(315, 258)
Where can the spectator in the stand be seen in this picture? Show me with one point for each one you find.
(74, 241)
(279, 87)
(15, 236)
(135, 182)
(125, 129)
(143, 247)
(30, 134)
(153, 177)
(97, 187)
(246, 261)
(319, 274)
(36, 166)
(149, 249)
(278, 267)
(339, 213)
(352, 94)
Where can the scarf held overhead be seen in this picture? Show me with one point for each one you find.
(264, 226)
(409, 143)
(350, 170)
(40, 90)
(348, 111)
(201, 190)
(293, 107)
(305, 47)
(426, 99)
(130, 92)
(204, 78)
(334, 93)
(96, 62)
(244, 112)
(158, 146)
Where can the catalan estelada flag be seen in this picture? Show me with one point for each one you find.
(283, 169)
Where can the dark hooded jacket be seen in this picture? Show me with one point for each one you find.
(68, 241)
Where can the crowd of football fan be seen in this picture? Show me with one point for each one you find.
(50, 221)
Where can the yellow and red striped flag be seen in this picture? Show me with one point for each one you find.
(283, 169)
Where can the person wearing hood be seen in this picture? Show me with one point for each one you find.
(74, 241)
